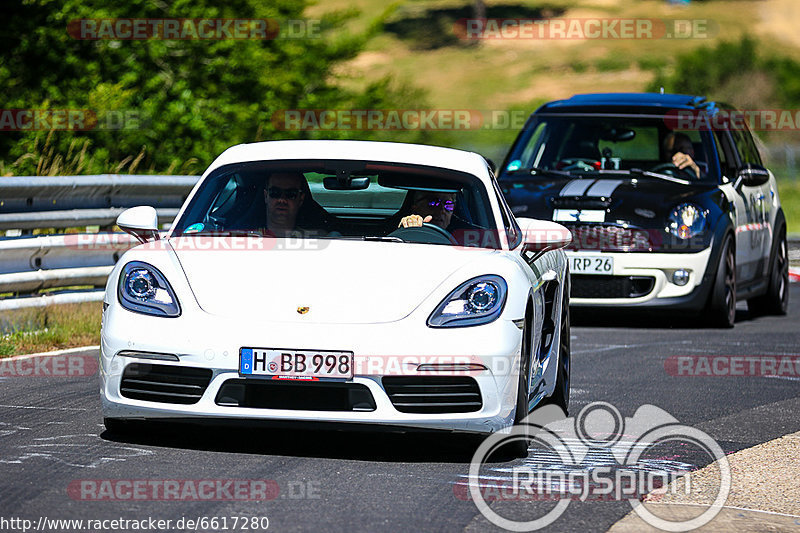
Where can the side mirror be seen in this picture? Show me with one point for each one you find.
(543, 235)
(751, 175)
(141, 222)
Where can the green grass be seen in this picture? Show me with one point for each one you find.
(54, 327)
(789, 192)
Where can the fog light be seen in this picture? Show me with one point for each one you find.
(680, 277)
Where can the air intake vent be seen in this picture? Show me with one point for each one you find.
(164, 383)
(277, 394)
(459, 394)
(611, 286)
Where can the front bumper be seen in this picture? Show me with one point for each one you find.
(204, 341)
(658, 267)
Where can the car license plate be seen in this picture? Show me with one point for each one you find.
(591, 264)
(303, 365)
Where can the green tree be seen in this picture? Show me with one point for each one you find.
(193, 98)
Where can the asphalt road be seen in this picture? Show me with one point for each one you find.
(51, 438)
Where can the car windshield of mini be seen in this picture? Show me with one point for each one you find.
(356, 200)
(583, 145)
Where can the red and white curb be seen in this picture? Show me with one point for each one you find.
(794, 274)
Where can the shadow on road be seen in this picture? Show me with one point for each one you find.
(441, 447)
(610, 318)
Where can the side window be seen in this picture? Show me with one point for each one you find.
(746, 147)
(727, 161)
(513, 231)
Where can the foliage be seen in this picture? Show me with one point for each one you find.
(187, 100)
(724, 72)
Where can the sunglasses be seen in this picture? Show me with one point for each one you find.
(449, 205)
(277, 192)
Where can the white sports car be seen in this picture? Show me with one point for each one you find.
(342, 282)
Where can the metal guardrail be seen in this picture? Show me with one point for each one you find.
(66, 201)
(29, 264)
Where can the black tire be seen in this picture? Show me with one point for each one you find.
(560, 395)
(519, 447)
(721, 309)
(776, 300)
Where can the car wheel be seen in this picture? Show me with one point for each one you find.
(776, 300)
(721, 309)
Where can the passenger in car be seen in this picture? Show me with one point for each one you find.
(678, 149)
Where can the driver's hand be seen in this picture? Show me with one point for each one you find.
(413, 221)
(683, 161)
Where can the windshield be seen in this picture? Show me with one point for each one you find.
(342, 200)
(578, 145)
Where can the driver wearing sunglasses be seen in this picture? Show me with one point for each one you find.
(284, 195)
(430, 208)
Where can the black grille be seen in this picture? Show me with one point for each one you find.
(612, 238)
(164, 383)
(433, 394)
(611, 286)
(314, 396)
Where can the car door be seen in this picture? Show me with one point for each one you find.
(759, 202)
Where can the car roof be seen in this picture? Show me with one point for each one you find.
(642, 103)
(415, 154)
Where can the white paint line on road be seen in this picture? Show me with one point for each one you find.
(43, 408)
(50, 354)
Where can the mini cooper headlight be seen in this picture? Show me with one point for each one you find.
(474, 302)
(144, 289)
(686, 221)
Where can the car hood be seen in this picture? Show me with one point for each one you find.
(641, 201)
(339, 281)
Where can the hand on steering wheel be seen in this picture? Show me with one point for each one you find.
(424, 233)
(672, 169)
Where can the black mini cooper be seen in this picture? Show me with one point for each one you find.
(669, 204)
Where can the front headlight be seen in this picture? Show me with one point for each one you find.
(144, 289)
(686, 221)
(474, 302)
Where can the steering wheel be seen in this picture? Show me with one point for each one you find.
(577, 163)
(669, 168)
(427, 233)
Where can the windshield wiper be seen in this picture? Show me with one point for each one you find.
(545, 171)
(225, 233)
(650, 174)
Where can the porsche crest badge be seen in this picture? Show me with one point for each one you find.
(302, 310)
